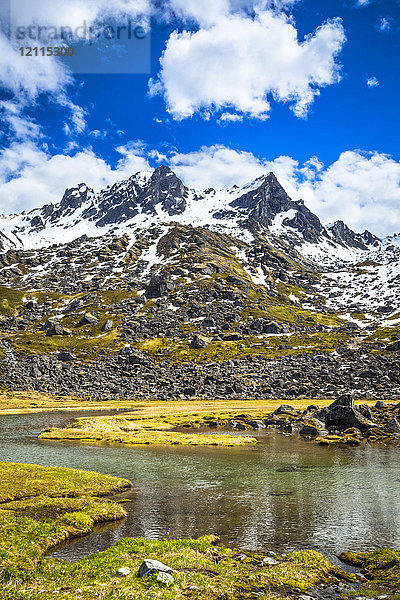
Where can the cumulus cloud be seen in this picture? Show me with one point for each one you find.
(220, 167)
(362, 189)
(242, 63)
(30, 177)
(29, 78)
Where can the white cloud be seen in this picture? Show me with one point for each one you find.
(363, 3)
(362, 189)
(230, 118)
(372, 82)
(27, 78)
(29, 177)
(220, 167)
(241, 63)
(384, 24)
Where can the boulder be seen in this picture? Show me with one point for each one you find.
(165, 578)
(159, 286)
(124, 572)
(151, 567)
(344, 417)
(345, 400)
(88, 319)
(313, 428)
(269, 561)
(66, 357)
(272, 327)
(108, 325)
(365, 411)
(56, 329)
(199, 341)
(380, 405)
(285, 409)
(394, 347)
(393, 426)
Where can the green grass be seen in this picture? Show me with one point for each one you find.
(10, 299)
(301, 343)
(137, 430)
(43, 506)
(381, 568)
(19, 481)
(202, 570)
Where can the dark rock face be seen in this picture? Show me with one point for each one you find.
(66, 357)
(344, 235)
(159, 286)
(269, 199)
(345, 400)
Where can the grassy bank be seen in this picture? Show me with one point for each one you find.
(43, 506)
(40, 507)
(132, 429)
(382, 571)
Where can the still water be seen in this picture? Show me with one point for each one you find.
(337, 499)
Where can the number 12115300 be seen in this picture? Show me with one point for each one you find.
(47, 51)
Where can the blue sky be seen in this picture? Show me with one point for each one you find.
(240, 89)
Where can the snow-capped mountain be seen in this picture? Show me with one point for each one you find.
(160, 197)
(147, 207)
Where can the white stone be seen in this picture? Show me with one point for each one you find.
(124, 571)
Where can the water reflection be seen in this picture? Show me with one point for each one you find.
(337, 499)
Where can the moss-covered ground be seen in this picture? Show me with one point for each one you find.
(132, 429)
(382, 572)
(161, 422)
(43, 506)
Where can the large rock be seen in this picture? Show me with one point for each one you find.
(393, 426)
(313, 428)
(88, 319)
(394, 347)
(285, 409)
(159, 286)
(344, 400)
(56, 329)
(344, 417)
(108, 325)
(66, 357)
(199, 341)
(151, 567)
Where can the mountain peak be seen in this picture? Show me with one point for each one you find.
(342, 234)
